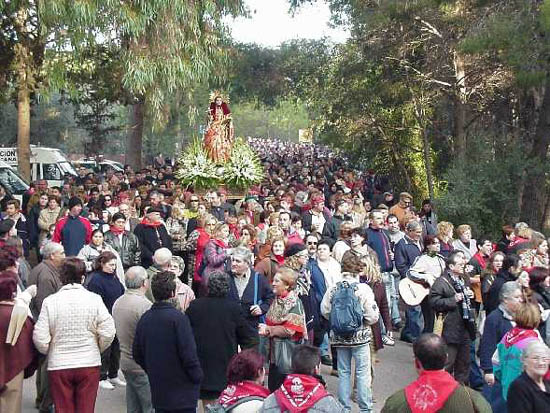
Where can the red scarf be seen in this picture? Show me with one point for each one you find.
(517, 334)
(116, 230)
(481, 260)
(220, 243)
(148, 223)
(280, 259)
(235, 392)
(430, 391)
(299, 392)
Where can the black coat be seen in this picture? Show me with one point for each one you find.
(442, 300)
(492, 301)
(524, 396)
(265, 295)
(329, 229)
(405, 252)
(219, 327)
(164, 347)
(129, 251)
(151, 239)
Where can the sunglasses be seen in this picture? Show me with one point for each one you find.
(312, 243)
(193, 200)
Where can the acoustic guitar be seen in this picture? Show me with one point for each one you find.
(412, 292)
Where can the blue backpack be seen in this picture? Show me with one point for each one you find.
(346, 314)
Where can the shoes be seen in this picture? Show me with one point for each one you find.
(334, 373)
(117, 382)
(326, 360)
(407, 339)
(106, 384)
(388, 341)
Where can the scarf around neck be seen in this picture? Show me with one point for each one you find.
(235, 392)
(288, 312)
(430, 391)
(516, 334)
(116, 230)
(299, 392)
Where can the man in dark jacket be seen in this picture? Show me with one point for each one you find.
(451, 294)
(317, 219)
(123, 242)
(250, 289)
(32, 220)
(511, 267)
(406, 251)
(164, 347)
(497, 324)
(152, 235)
(219, 327)
(14, 213)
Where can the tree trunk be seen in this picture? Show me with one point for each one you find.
(536, 189)
(23, 126)
(460, 107)
(134, 140)
(428, 162)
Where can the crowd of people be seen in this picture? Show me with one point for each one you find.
(236, 304)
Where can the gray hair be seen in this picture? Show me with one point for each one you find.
(533, 347)
(243, 253)
(135, 277)
(162, 257)
(51, 248)
(218, 284)
(412, 225)
(508, 288)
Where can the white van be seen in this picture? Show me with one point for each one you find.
(49, 164)
(12, 182)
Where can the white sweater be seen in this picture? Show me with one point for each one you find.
(73, 328)
(331, 270)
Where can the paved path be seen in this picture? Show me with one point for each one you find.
(392, 373)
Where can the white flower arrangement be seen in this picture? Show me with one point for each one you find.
(196, 168)
(244, 168)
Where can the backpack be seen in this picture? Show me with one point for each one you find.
(346, 314)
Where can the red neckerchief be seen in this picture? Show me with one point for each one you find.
(115, 230)
(280, 259)
(481, 260)
(299, 392)
(517, 334)
(235, 392)
(148, 223)
(430, 391)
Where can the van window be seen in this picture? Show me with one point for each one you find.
(51, 172)
(12, 182)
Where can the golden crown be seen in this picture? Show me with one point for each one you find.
(218, 93)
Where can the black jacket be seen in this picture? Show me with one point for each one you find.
(151, 239)
(329, 230)
(32, 224)
(265, 296)
(219, 327)
(492, 301)
(524, 396)
(164, 347)
(442, 300)
(496, 325)
(129, 250)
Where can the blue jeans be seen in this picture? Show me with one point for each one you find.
(361, 355)
(476, 376)
(138, 392)
(413, 323)
(391, 294)
(324, 346)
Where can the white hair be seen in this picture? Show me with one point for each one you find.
(135, 276)
(162, 256)
(51, 248)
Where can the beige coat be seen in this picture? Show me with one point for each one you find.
(47, 218)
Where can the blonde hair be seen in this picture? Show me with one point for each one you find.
(443, 228)
(461, 229)
(288, 276)
(527, 316)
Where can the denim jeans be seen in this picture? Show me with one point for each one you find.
(138, 392)
(413, 323)
(391, 294)
(361, 354)
(493, 394)
(324, 346)
(476, 376)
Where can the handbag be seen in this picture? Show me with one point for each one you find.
(281, 351)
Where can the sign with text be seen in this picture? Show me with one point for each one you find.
(8, 155)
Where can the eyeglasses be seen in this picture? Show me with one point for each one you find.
(312, 243)
(107, 199)
(193, 200)
(539, 359)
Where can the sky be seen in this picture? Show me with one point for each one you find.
(271, 24)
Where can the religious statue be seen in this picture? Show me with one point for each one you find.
(219, 136)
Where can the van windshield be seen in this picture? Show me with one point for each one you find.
(66, 167)
(13, 183)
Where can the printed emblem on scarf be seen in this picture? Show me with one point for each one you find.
(230, 391)
(424, 397)
(297, 386)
